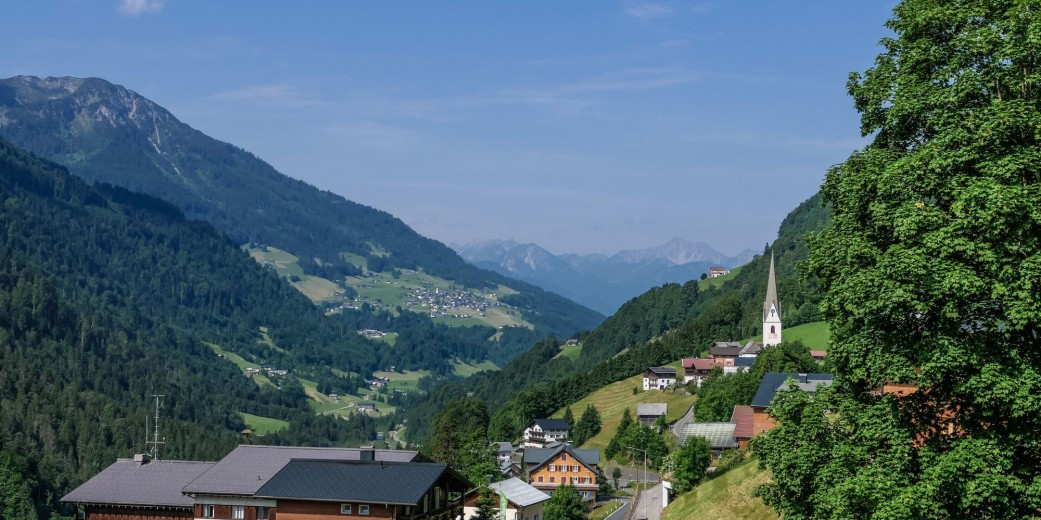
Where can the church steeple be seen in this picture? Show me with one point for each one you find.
(771, 310)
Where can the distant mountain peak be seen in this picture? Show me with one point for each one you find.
(676, 251)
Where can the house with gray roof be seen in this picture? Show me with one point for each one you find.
(772, 383)
(546, 469)
(658, 378)
(328, 489)
(541, 432)
(138, 487)
(648, 413)
(522, 501)
(227, 490)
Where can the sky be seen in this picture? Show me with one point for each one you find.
(582, 126)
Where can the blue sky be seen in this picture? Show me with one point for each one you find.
(586, 126)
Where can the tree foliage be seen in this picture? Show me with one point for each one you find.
(932, 277)
(588, 425)
(565, 504)
(690, 462)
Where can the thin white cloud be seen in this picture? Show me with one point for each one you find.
(139, 7)
(646, 10)
(279, 95)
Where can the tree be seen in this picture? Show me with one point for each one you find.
(931, 273)
(616, 474)
(690, 463)
(487, 504)
(565, 504)
(460, 439)
(613, 446)
(588, 425)
(569, 417)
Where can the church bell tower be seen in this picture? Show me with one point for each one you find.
(771, 310)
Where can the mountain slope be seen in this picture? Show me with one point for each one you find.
(599, 281)
(107, 297)
(104, 132)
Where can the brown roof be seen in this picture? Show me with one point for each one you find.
(743, 418)
(699, 364)
(818, 353)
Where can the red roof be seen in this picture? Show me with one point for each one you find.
(699, 363)
(743, 417)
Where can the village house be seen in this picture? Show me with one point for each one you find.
(547, 469)
(648, 413)
(716, 271)
(658, 378)
(138, 488)
(228, 489)
(324, 489)
(720, 435)
(772, 383)
(523, 501)
(541, 432)
(696, 369)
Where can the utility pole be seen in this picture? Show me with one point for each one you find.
(155, 442)
(644, 478)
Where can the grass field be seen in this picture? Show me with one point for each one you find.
(719, 280)
(406, 381)
(287, 265)
(241, 363)
(569, 351)
(612, 399)
(729, 496)
(347, 405)
(263, 425)
(464, 369)
(816, 335)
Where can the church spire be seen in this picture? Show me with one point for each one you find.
(771, 309)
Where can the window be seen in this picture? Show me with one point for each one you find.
(552, 467)
(575, 469)
(261, 513)
(552, 479)
(574, 480)
(238, 512)
(363, 509)
(345, 509)
(207, 510)
(540, 478)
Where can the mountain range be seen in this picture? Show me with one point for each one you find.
(107, 133)
(599, 281)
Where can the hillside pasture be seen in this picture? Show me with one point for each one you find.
(728, 496)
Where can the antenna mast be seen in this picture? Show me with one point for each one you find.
(155, 442)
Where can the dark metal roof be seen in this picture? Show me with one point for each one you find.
(247, 468)
(724, 351)
(539, 456)
(128, 483)
(773, 381)
(663, 371)
(402, 483)
(550, 424)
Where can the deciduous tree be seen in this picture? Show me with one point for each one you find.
(932, 277)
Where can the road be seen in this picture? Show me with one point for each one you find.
(620, 513)
(629, 474)
(649, 507)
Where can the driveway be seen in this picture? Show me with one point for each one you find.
(648, 506)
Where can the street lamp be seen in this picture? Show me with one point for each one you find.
(644, 478)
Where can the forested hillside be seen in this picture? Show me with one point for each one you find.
(108, 297)
(663, 325)
(104, 132)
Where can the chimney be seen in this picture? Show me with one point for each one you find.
(367, 454)
(142, 458)
(804, 378)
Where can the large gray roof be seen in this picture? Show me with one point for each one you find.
(247, 468)
(774, 381)
(402, 483)
(519, 492)
(550, 424)
(651, 409)
(719, 435)
(128, 483)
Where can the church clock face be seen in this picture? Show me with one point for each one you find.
(772, 312)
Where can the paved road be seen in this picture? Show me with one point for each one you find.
(649, 507)
(629, 474)
(620, 513)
